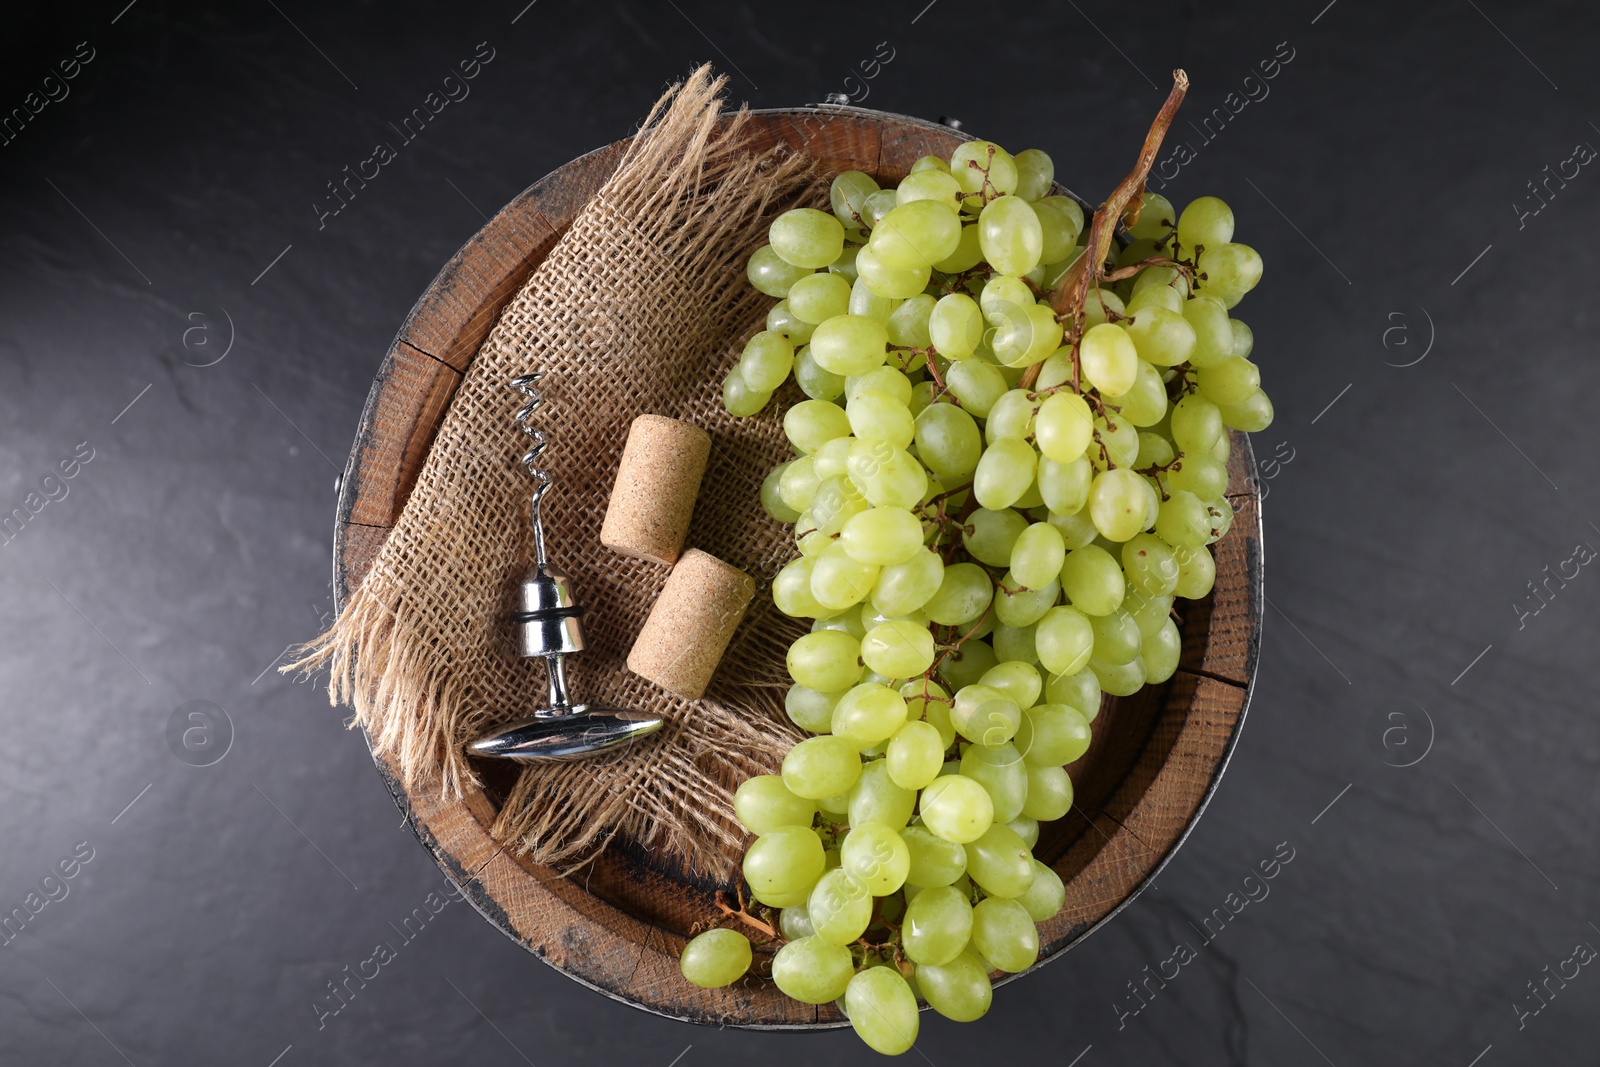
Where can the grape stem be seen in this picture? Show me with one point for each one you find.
(743, 915)
(1121, 207)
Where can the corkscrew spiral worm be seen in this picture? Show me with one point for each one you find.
(524, 384)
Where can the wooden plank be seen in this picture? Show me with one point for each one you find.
(408, 402)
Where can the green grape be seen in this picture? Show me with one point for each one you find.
(877, 205)
(820, 767)
(1251, 415)
(836, 502)
(1230, 270)
(964, 593)
(1102, 303)
(1025, 828)
(1116, 639)
(1197, 573)
(876, 799)
(771, 501)
(845, 265)
(838, 580)
(1017, 643)
(967, 254)
(1060, 222)
(764, 803)
(850, 344)
(977, 385)
(1092, 580)
(899, 649)
(921, 397)
(969, 164)
(783, 321)
(868, 713)
(840, 907)
(797, 486)
(791, 590)
(948, 441)
(927, 701)
(1149, 564)
(849, 622)
(882, 1010)
(929, 184)
(1196, 423)
(1149, 612)
(812, 970)
(999, 861)
(915, 755)
(967, 665)
(955, 808)
(1199, 474)
(905, 587)
(1004, 933)
(1156, 217)
(1003, 292)
(1015, 605)
(958, 990)
(1205, 222)
(891, 282)
(1052, 735)
(1024, 334)
(1109, 359)
(937, 925)
(847, 195)
(877, 857)
(832, 461)
(882, 536)
(1003, 775)
(915, 236)
(716, 958)
(934, 861)
(1221, 450)
(1152, 296)
(1065, 639)
(875, 417)
(817, 298)
(1221, 518)
(809, 709)
(1049, 793)
(930, 163)
(1244, 341)
(1122, 680)
(991, 721)
(740, 398)
(1010, 235)
(1213, 336)
(1160, 654)
(1017, 680)
(991, 535)
(869, 305)
(794, 923)
(814, 380)
(1167, 277)
(1045, 897)
(1035, 173)
(908, 323)
(1004, 473)
(1010, 416)
(828, 661)
(766, 361)
(1117, 503)
(956, 326)
(771, 274)
(1065, 486)
(783, 864)
(1080, 691)
(1227, 383)
(1154, 451)
(807, 238)
(1064, 427)
(811, 424)
(1037, 555)
(887, 476)
(1146, 403)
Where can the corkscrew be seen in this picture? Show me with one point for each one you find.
(546, 622)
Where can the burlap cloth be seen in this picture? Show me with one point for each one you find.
(642, 306)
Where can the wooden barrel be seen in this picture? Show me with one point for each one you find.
(1153, 763)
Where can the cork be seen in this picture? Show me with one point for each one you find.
(688, 629)
(657, 482)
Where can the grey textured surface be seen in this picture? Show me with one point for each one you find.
(1379, 176)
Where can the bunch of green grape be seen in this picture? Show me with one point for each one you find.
(995, 507)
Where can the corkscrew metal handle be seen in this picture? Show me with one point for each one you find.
(524, 384)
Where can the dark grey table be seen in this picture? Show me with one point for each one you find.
(191, 335)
